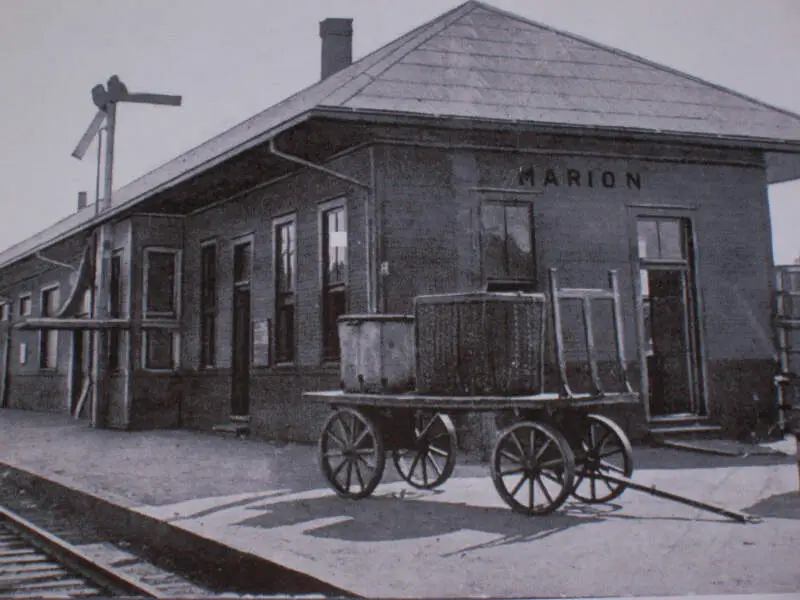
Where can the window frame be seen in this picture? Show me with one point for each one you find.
(507, 282)
(176, 295)
(172, 319)
(325, 287)
(5, 311)
(175, 342)
(277, 224)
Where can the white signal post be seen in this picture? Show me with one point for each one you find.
(106, 99)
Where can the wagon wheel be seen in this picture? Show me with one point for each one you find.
(432, 459)
(351, 453)
(532, 468)
(603, 447)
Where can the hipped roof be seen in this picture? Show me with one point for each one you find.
(480, 63)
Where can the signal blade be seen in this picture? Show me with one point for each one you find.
(87, 138)
(162, 99)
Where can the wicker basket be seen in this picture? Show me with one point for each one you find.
(479, 343)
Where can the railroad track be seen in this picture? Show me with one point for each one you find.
(34, 563)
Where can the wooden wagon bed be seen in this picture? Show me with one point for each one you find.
(453, 404)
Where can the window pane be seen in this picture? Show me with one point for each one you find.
(518, 242)
(335, 306)
(159, 349)
(334, 246)
(284, 333)
(648, 239)
(208, 274)
(242, 261)
(670, 239)
(115, 301)
(25, 306)
(208, 341)
(493, 240)
(48, 358)
(286, 258)
(161, 283)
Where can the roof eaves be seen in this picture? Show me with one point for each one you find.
(635, 57)
(461, 122)
(89, 219)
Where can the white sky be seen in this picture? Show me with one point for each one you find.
(229, 59)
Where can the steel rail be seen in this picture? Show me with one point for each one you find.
(73, 558)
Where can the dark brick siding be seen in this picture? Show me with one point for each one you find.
(276, 406)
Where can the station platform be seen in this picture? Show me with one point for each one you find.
(267, 503)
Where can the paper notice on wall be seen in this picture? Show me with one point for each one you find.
(261, 343)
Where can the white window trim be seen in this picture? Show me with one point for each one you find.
(178, 258)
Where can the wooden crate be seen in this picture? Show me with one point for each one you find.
(377, 353)
(479, 343)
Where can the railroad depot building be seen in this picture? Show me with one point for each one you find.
(473, 153)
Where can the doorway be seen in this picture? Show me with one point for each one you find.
(241, 351)
(671, 334)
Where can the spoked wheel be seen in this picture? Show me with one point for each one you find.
(532, 468)
(432, 459)
(351, 453)
(604, 447)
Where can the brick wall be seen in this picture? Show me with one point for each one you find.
(584, 231)
(275, 396)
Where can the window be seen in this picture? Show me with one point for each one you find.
(161, 283)
(25, 305)
(285, 281)
(160, 350)
(507, 243)
(5, 311)
(662, 239)
(48, 340)
(160, 343)
(208, 305)
(334, 270)
(242, 262)
(115, 311)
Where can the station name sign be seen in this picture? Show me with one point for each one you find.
(534, 177)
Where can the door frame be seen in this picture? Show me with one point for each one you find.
(687, 213)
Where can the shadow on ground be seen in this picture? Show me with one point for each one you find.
(779, 506)
(392, 517)
(418, 515)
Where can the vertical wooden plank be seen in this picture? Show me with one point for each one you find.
(588, 332)
(559, 334)
(619, 334)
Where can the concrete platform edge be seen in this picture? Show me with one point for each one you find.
(188, 550)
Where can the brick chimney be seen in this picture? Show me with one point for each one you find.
(337, 45)
(82, 201)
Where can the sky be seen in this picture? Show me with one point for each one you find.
(230, 59)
